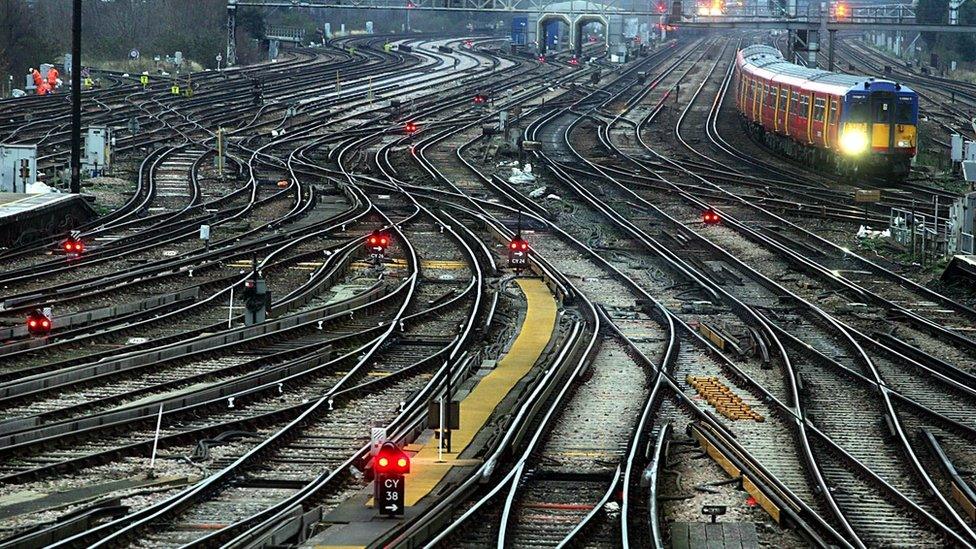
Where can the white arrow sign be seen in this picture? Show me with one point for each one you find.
(392, 508)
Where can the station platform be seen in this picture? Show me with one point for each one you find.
(28, 217)
(536, 330)
(356, 524)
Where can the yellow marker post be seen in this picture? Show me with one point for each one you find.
(144, 80)
(175, 90)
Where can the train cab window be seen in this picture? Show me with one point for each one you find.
(882, 112)
(819, 107)
(905, 111)
(858, 110)
(794, 103)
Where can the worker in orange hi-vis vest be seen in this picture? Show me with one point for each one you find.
(36, 75)
(52, 78)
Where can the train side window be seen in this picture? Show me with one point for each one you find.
(833, 111)
(783, 94)
(794, 100)
(819, 107)
(804, 106)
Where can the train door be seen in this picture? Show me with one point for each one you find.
(833, 117)
(769, 105)
(883, 121)
(817, 122)
(781, 109)
(793, 120)
(756, 98)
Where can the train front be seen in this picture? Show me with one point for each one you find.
(878, 128)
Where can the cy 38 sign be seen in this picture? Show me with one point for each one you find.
(390, 495)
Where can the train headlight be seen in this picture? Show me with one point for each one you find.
(853, 142)
(904, 143)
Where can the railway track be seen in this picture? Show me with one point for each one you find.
(263, 422)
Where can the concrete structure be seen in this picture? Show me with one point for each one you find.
(25, 218)
(574, 15)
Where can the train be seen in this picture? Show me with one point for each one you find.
(851, 124)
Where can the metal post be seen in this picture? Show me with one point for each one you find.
(76, 96)
(831, 36)
(447, 397)
(220, 152)
(230, 308)
(152, 460)
(231, 33)
(440, 433)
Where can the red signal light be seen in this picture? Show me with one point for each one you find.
(514, 245)
(73, 246)
(542, 58)
(378, 239)
(411, 127)
(391, 460)
(38, 323)
(710, 217)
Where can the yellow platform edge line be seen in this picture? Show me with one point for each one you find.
(533, 337)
